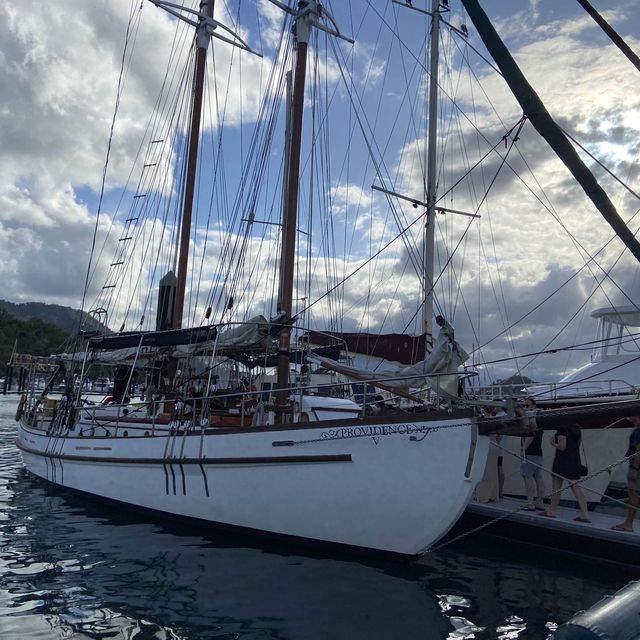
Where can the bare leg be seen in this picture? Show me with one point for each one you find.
(556, 485)
(541, 490)
(582, 502)
(530, 487)
(634, 503)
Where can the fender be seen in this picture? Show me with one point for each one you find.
(21, 405)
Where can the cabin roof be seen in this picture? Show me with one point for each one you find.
(628, 316)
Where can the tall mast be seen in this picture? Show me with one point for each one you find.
(205, 27)
(302, 30)
(429, 231)
(202, 43)
(306, 16)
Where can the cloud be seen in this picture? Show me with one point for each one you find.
(536, 228)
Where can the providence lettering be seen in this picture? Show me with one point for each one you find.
(373, 431)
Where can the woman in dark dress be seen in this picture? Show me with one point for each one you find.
(566, 466)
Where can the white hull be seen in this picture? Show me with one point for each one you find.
(331, 482)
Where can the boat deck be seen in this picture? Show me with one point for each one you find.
(597, 538)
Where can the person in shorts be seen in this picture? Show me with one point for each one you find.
(531, 466)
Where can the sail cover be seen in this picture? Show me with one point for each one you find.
(256, 334)
(173, 337)
(439, 368)
(393, 347)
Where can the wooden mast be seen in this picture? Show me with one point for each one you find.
(306, 17)
(288, 249)
(202, 44)
(205, 27)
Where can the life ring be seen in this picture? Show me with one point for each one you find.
(21, 405)
(107, 400)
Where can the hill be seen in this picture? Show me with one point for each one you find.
(33, 336)
(65, 318)
(40, 329)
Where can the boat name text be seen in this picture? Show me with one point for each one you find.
(374, 431)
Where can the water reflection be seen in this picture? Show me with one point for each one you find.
(93, 575)
(71, 568)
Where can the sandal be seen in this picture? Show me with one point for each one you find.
(581, 519)
(546, 515)
(621, 527)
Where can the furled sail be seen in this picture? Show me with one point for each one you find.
(256, 334)
(439, 369)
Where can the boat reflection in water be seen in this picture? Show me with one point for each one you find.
(74, 568)
(87, 570)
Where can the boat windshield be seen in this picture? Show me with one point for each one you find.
(618, 331)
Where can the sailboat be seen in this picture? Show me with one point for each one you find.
(308, 467)
(282, 457)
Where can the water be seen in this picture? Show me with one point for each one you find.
(73, 568)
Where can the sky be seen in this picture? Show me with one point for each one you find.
(538, 234)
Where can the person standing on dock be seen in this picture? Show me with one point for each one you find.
(531, 467)
(567, 466)
(499, 412)
(489, 487)
(633, 477)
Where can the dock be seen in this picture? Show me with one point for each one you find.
(507, 518)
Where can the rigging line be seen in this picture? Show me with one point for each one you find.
(163, 136)
(558, 350)
(150, 126)
(456, 32)
(419, 63)
(576, 242)
(601, 164)
(583, 305)
(592, 257)
(255, 171)
(106, 163)
(416, 220)
(349, 247)
(411, 250)
(378, 169)
(503, 308)
(548, 207)
(559, 387)
(377, 164)
(535, 308)
(612, 33)
(480, 244)
(482, 135)
(547, 127)
(255, 177)
(471, 220)
(209, 113)
(112, 221)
